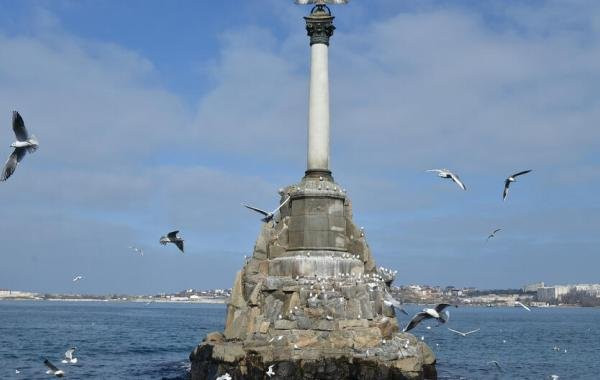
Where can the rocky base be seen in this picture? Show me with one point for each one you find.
(402, 357)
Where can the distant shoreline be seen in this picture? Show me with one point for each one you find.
(199, 301)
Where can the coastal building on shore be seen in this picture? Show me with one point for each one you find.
(552, 293)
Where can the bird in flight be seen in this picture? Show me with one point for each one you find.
(445, 173)
(24, 144)
(172, 237)
(463, 333)
(435, 313)
(523, 306)
(493, 234)
(137, 250)
(270, 372)
(389, 300)
(268, 215)
(494, 362)
(77, 278)
(69, 358)
(509, 180)
(52, 369)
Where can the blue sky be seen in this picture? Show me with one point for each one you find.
(154, 116)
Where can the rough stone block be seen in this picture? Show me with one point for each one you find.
(284, 324)
(352, 323)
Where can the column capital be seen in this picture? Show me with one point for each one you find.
(319, 25)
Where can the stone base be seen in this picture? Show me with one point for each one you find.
(305, 354)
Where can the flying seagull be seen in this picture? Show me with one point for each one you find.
(137, 250)
(226, 376)
(172, 237)
(493, 234)
(24, 144)
(270, 372)
(268, 215)
(445, 173)
(435, 313)
(391, 301)
(77, 278)
(52, 369)
(510, 179)
(523, 306)
(463, 333)
(69, 358)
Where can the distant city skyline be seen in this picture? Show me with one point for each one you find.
(153, 117)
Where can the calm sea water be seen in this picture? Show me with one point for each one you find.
(135, 340)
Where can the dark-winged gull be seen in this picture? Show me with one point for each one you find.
(268, 215)
(172, 237)
(463, 333)
(523, 306)
(445, 173)
(435, 313)
(493, 234)
(24, 144)
(509, 180)
(389, 300)
(52, 369)
(270, 372)
(69, 358)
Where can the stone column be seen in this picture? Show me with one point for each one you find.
(319, 25)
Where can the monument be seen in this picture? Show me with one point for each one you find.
(310, 300)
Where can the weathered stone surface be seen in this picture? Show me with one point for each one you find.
(352, 323)
(284, 324)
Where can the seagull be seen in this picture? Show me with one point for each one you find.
(510, 179)
(172, 237)
(436, 313)
(69, 356)
(493, 234)
(523, 306)
(391, 301)
(17, 371)
(268, 215)
(24, 144)
(226, 376)
(496, 364)
(137, 250)
(52, 369)
(554, 377)
(77, 278)
(445, 173)
(270, 372)
(463, 333)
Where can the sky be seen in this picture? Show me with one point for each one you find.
(154, 116)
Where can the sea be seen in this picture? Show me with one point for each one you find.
(135, 340)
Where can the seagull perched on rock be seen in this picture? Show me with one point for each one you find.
(52, 369)
(226, 376)
(172, 237)
(77, 278)
(69, 358)
(493, 234)
(268, 215)
(24, 144)
(463, 333)
(435, 313)
(509, 180)
(523, 306)
(270, 372)
(391, 301)
(445, 173)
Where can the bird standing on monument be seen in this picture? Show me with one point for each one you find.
(268, 215)
(445, 173)
(24, 144)
(172, 237)
(509, 180)
(435, 313)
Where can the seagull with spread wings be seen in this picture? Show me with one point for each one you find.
(52, 369)
(435, 313)
(24, 144)
(69, 358)
(445, 173)
(389, 300)
(493, 234)
(268, 215)
(511, 179)
(172, 237)
(463, 333)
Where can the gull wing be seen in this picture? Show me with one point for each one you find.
(416, 320)
(50, 366)
(506, 186)
(521, 173)
(471, 332)
(265, 213)
(523, 306)
(18, 126)
(281, 205)
(179, 244)
(69, 353)
(395, 303)
(497, 230)
(173, 234)
(458, 332)
(435, 170)
(458, 181)
(12, 162)
(440, 307)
